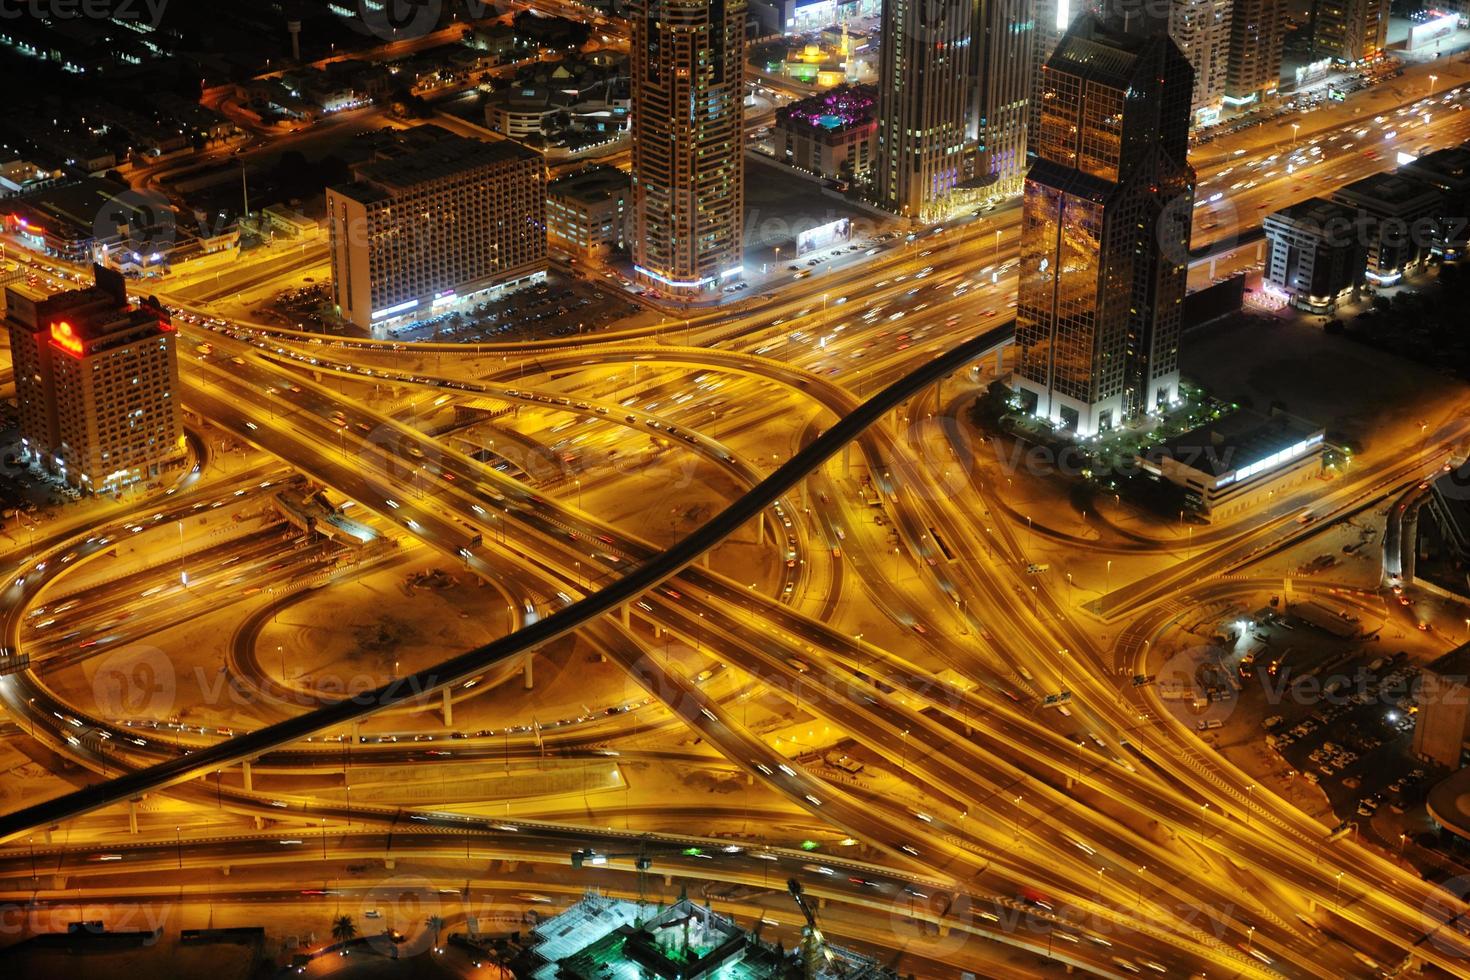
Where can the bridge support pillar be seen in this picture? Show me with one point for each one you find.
(668, 881)
(847, 459)
(132, 816)
(760, 529)
(1000, 361)
(224, 869)
(390, 863)
(527, 678)
(627, 613)
(245, 777)
(58, 883)
(448, 709)
(259, 822)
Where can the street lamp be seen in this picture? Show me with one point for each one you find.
(1432, 80)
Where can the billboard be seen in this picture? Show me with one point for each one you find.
(824, 235)
(1432, 30)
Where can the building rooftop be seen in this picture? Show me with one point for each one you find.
(836, 110)
(441, 157)
(1314, 212)
(1390, 189)
(1448, 168)
(591, 186)
(1090, 50)
(1243, 443)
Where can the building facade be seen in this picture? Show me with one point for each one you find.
(1202, 28)
(923, 104)
(420, 231)
(1443, 692)
(829, 134)
(589, 211)
(1398, 222)
(1313, 255)
(1105, 229)
(1349, 30)
(96, 382)
(1003, 69)
(688, 72)
(1239, 464)
(1257, 33)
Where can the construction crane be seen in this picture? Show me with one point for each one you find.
(815, 941)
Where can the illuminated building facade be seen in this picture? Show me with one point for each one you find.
(1004, 72)
(1105, 229)
(1349, 30)
(1313, 254)
(1201, 28)
(829, 134)
(429, 227)
(923, 104)
(95, 381)
(1399, 222)
(1257, 33)
(688, 72)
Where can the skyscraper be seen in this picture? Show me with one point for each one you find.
(923, 103)
(1257, 32)
(688, 72)
(1349, 30)
(1201, 28)
(1105, 227)
(1003, 73)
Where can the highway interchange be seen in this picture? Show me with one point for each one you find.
(1107, 838)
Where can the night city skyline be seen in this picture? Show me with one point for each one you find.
(774, 489)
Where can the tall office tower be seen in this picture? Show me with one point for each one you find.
(438, 220)
(1201, 28)
(1257, 32)
(95, 380)
(688, 71)
(1349, 30)
(1052, 18)
(923, 103)
(1105, 227)
(1002, 70)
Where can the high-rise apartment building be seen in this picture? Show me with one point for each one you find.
(1201, 28)
(688, 75)
(1105, 227)
(924, 96)
(1349, 30)
(1257, 33)
(96, 380)
(444, 220)
(1003, 71)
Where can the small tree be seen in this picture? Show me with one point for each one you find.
(435, 923)
(343, 928)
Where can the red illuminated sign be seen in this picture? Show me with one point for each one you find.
(63, 337)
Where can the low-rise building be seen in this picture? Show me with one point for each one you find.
(1401, 223)
(1239, 463)
(99, 220)
(1443, 723)
(830, 134)
(1447, 171)
(96, 381)
(1314, 254)
(1449, 507)
(588, 211)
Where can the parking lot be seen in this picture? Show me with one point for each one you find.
(1316, 684)
(557, 307)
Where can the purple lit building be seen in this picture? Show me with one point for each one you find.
(830, 134)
